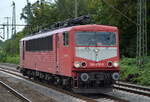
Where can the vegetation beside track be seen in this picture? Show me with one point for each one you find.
(9, 51)
(131, 73)
(9, 59)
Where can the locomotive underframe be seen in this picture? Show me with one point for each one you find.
(47, 77)
(98, 82)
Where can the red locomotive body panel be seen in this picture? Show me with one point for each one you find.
(66, 58)
(57, 61)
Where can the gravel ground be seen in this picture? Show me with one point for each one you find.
(19, 85)
(6, 96)
(8, 64)
(104, 100)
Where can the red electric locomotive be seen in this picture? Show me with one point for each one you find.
(84, 58)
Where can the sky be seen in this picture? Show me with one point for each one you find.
(6, 11)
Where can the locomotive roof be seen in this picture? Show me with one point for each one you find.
(48, 33)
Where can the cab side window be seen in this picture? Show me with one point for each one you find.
(65, 38)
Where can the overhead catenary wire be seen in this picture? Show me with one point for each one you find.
(117, 10)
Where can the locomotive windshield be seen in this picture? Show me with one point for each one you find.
(95, 38)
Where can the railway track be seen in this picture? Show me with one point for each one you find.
(16, 73)
(131, 88)
(14, 92)
(136, 89)
(119, 85)
(99, 98)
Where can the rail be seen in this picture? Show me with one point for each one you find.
(132, 88)
(16, 93)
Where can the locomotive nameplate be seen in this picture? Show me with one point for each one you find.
(96, 64)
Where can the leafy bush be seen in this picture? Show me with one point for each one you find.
(2, 56)
(144, 75)
(9, 58)
(12, 59)
(11, 46)
(131, 73)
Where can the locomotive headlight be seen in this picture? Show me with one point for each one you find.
(109, 64)
(115, 64)
(77, 64)
(84, 64)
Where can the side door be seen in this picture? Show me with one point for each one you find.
(63, 54)
(57, 51)
(23, 50)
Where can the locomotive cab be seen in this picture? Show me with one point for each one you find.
(96, 59)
